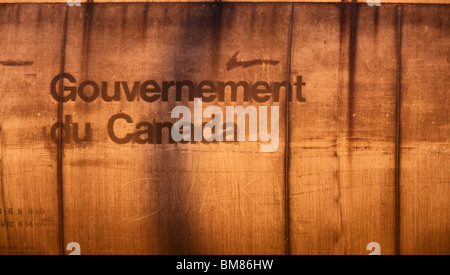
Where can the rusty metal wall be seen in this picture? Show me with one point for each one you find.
(363, 160)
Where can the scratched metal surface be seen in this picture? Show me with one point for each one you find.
(362, 160)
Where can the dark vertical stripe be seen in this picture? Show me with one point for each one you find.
(352, 64)
(88, 20)
(399, 24)
(287, 154)
(60, 141)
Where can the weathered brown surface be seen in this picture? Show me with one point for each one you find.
(343, 140)
(149, 198)
(31, 39)
(342, 186)
(425, 130)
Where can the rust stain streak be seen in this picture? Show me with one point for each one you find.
(217, 28)
(145, 20)
(88, 17)
(342, 29)
(11, 63)
(352, 63)
(376, 19)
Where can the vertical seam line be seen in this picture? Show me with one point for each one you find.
(60, 140)
(287, 141)
(399, 23)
